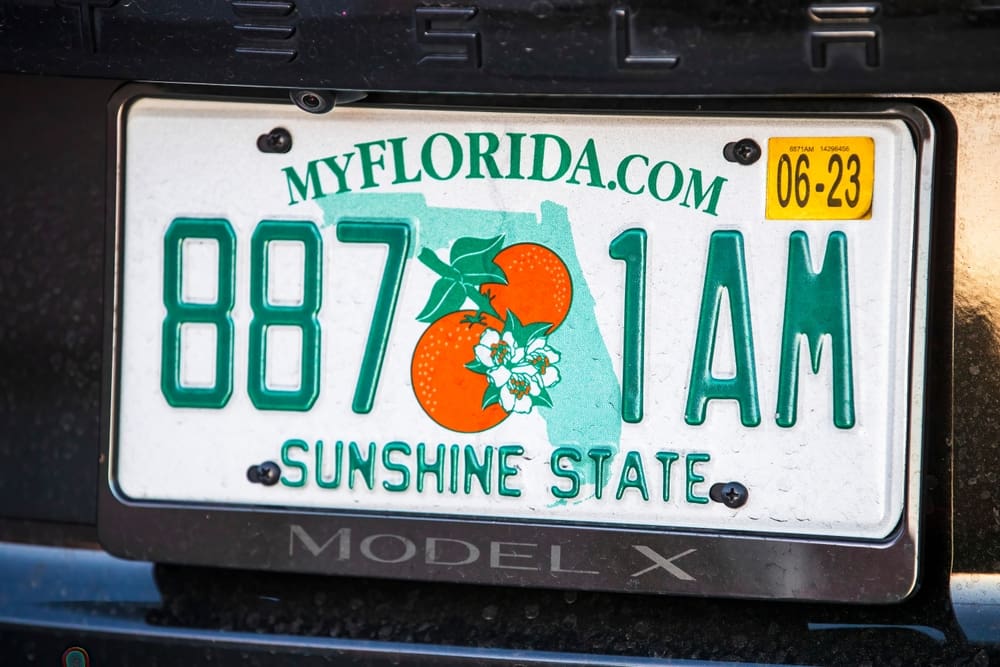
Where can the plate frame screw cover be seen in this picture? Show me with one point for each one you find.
(731, 494)
(745, 151)
(267, 473)
(278, 140)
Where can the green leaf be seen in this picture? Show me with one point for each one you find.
(524, 334)
(477, 366)
(472, 247)
(543, 399)
(476, 271)
(535, 331)
(513, 326)
(473, 259)
(447, 296)
(491, 396)
(430, 259)
(473, 293)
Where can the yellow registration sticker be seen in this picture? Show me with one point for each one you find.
(820, 178)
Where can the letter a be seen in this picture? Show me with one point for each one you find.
(727, 271)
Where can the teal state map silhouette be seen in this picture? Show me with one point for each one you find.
(586, 408)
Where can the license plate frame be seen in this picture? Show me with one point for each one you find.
(676, 561)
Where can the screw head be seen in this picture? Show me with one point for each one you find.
(253, 474)
(744, 151)
(730, 494)
(267, 473)
(270, 473)
(278, 140)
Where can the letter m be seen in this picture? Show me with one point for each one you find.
(313, 547)
(701, 194)
(297, 186)
(817, 307)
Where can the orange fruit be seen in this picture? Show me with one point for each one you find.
(450, 393)
(538, 287)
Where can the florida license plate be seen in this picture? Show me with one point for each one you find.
(658, 323)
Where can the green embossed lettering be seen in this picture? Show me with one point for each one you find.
(573, 476)
(338, 452)
(363, 464)
(395, 235)
(289, 462)
(474, 468)
(816, 305)
(180, 312)
(505, 470)
(436, 468)
(726, 273)
(267, 314)
(633, 476)
(453, 453)
(392, 466)
(600, 456)
(666, 459)
(694, 478)
(630, 247)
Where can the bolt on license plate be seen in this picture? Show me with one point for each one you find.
(583, 350)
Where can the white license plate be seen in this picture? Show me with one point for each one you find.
(559, 317)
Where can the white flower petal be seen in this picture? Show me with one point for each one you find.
(523, 404)
(516, 355)
(483, 356)
(507, 399)
(499, 376)
(552, 355)
(489, 338)
(524, 369)
(536, 345)
(550, 377)
(517, 393)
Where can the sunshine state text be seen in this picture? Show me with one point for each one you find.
(399, 467)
